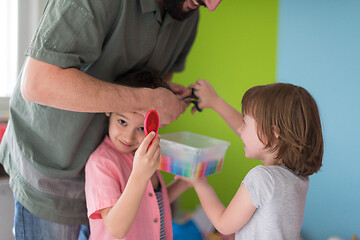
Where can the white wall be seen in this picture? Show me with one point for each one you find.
(29, 14)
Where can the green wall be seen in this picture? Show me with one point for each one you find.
(235, 49)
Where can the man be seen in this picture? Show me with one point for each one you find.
(79, 49)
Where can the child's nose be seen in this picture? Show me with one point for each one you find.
(130, 136)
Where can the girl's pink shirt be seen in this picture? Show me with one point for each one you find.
(106, 174)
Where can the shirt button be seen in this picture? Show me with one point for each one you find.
(155, 220)
(150, 194)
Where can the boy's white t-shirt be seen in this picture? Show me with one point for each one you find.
(279, 196)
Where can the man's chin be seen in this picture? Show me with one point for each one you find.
(183, 15)
(174, 9)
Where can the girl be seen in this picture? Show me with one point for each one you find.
(280, 125)
(125, 194)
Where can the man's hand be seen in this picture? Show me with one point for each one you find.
(167, 104)
(179, 90)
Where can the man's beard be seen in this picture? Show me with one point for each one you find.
(174, 8)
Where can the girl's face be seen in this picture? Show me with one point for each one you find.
(126, 131)
(254, 148)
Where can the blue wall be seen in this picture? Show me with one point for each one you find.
(319, 49)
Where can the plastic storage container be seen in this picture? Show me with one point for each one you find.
(191, 155)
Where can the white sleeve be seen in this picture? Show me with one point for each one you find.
(260, 185)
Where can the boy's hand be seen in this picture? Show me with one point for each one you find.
(147, 158)
(206, 93)
(184, 182)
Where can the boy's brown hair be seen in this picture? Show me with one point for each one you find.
(292, 113)
(142, 79)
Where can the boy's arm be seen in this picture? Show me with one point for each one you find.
(176, 188)
(125, 209)
(225, 220)
(209, 99)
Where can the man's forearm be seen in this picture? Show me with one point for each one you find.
(73, 90)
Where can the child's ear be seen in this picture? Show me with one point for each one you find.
(107, 114)
(238, 131)
(276, 132)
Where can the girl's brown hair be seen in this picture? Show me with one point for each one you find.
(292, 113)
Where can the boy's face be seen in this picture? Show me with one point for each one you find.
(126, 131)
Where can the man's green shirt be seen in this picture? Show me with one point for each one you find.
(44, 149)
